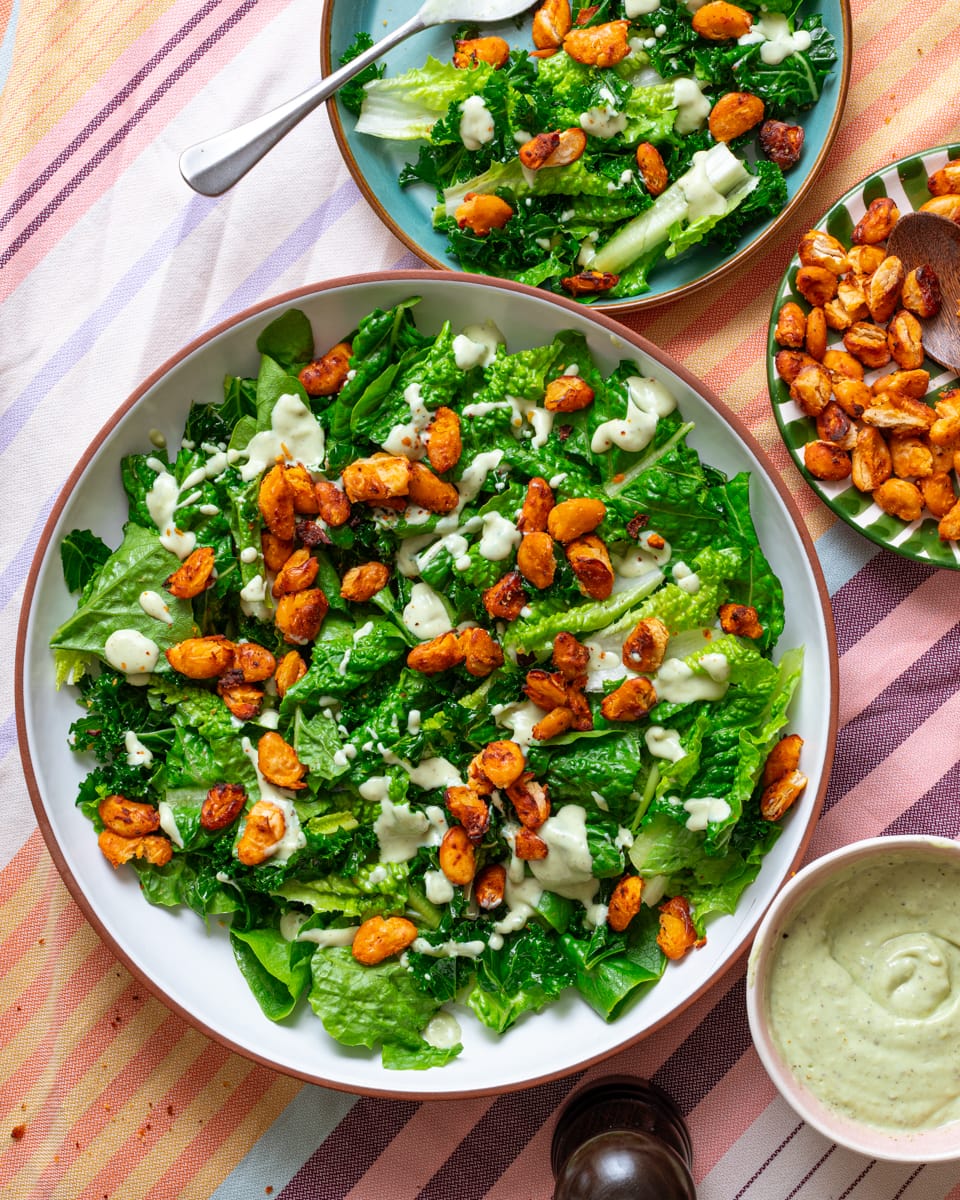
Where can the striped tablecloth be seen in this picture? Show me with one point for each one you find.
(108, 263)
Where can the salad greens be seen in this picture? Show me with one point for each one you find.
(379, 743)
(598, 214)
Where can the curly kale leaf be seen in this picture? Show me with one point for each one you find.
(351, 94)
(82, 554)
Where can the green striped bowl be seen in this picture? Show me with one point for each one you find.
(906, 182)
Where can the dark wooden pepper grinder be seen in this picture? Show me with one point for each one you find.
(621, 1138)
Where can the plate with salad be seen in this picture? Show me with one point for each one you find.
(425, 705)
(621, 153)
(878, 441)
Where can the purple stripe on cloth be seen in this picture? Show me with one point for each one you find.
(107, 111)
(708, 1052)
(85, 336)
(15, 572)
(342, 1159)
(408, 262)
(935, 812)
(874, 592)
(8, 736)
(497, 1140)
(900, 709)
(118, 137)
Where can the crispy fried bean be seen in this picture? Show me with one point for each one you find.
(193, 576)
(380, 938)
(677, 933)
(502, 762)
(300, 614)
(536, 560)
(297, 574)
(224, 802)
(325, 376)
(361, 583)
(278, 762)
(438, 654)
(444, 442)
(481, 653)
(537, 505)
(633, 699)
(590, 561)
(129, 818)
(625, 902)
(469, 808)
(202, 658)
(458, 856)
(263, 828)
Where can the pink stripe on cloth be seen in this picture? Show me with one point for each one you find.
(31, 854)
(409, 1162)
(89, 113)
(98, 169)
(33, 998)
(45, 1058)
(858, 130)
(116, 1092)
(899, 639)
(741, 1095)
(908, 773)
(897, 26)
(239, 1103)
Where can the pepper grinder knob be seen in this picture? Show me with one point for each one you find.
(622, 1138)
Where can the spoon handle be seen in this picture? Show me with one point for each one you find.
(212, 166)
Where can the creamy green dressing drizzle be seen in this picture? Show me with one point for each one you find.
(864, 993)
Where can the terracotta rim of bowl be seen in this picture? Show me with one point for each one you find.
(852, 1135)
(634, 304)
(430, 278)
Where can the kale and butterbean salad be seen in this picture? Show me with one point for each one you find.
(441, 673)
(612, 137)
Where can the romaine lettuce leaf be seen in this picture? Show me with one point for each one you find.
(139, 563)
(406, 106)
(277, 970)
(371, 1006)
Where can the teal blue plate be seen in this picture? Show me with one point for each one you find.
(906, 182)
(375, 164)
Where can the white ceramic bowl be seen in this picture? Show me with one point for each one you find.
(191, 967)
(934, 1145)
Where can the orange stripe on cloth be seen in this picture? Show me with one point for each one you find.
(54, 75)
(61, 49)
(32, 976)
(82, 1072)
(243, 1113)
(114, 1100)
(31, 853)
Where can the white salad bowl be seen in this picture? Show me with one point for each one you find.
(190, 965)
(900, 968)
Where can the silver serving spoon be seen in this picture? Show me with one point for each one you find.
(925, 237)
(212, 166)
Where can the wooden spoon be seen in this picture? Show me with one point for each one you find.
(925, 237)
